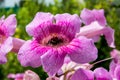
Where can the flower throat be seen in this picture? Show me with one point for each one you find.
(55, 41)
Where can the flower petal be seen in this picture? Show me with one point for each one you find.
(52, 78)
(95, 30)
(90, 31)
(7, 45)
(69, 24)
(9, 25)
(82, 50)
(117, 72)
(30, 75)
(11, 75)
(4, 49)
(102, 74)
(17, 43)
(53, 60)
(2, 58)
(88, 16)
(108, 32)
(2, 19)
(99, 16)
(115, 54)
(18, 76)
(39, 24)
(83, 74)
(112, 68)
(29, 54)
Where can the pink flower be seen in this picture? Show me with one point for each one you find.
(96, 25)
(18, 76)
(97, 74)
(53, 39)
(69, 68)
(7, 29)
(73, 71)
(89, 16)
(95, 30)
(28, 75)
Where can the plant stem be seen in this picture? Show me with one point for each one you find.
(102, 61)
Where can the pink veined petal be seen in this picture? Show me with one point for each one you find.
(53, 60)
(73, 19)
(115, 54)
(67, 60)
(90, 31)
(102, 74)
(99, 16)
(96, 38)
(89, 16)
(9, 25)
(40, 24)
(69, 24)
(82, 50)
(95, 30)
(30, 75)
(82, 74)
(6, 46)
(2, 58)
(108, 32)
(17, 43)
(29, 54)
(112, 68)
(117, 72)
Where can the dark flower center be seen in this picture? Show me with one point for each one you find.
(55, 41)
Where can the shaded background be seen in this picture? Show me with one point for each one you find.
(25, 11)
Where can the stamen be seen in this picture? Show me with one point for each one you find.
(55, 41)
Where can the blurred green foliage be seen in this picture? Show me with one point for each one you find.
(27, 10)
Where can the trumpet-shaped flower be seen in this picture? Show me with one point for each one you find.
(53, 39)
(96, 25)
(95, 30)
(7, 29)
